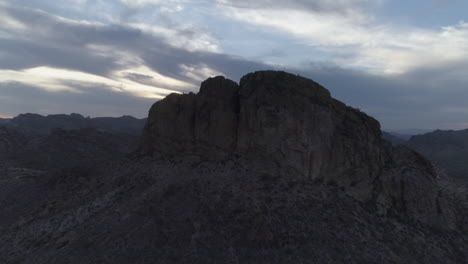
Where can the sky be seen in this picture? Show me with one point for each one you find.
(403, 62)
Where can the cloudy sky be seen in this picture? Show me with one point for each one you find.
(403, 62)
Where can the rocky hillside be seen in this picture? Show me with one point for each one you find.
(447, 149)
(75, 148)
(271, 170)
(10, 142)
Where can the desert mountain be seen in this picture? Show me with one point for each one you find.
(270, 170)
(446, 149)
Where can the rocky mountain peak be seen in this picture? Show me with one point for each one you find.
(286, 125)
(219, 87)
(278, 80)
(273, 115)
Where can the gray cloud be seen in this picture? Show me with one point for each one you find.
(64, 44)
(443, 3)
(417, 99)
(59, 43)
(333, 6)
(50, 41)
(21, 54)
(18, 98)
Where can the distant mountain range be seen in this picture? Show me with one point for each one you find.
(394, 138)
(410, 131)
(400, 136)
(35, 124)
(447, 149)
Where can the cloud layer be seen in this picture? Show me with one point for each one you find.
(139, 51)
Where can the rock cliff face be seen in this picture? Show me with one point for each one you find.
(287, 125)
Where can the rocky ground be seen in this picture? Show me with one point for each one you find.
(167, 212)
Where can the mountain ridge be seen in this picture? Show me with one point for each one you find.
(36, 124)
(447, 149)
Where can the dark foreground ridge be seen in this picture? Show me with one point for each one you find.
(271, 170)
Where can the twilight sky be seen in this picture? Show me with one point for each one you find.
(403, 62)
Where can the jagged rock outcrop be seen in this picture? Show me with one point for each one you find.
(290, 126)
(203, 125)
